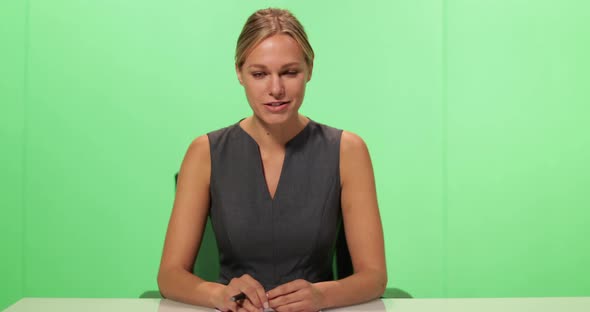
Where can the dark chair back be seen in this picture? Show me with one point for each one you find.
(342, 260)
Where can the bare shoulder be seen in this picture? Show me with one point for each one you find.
(199, 146)
(352, 148)
(197, 161)
(354, 158)
(198, 149)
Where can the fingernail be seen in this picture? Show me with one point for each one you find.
(265, 304)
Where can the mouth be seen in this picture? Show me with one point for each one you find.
(276, 103)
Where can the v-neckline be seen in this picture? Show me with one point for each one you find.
(260, 170)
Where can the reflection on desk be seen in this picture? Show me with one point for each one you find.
(566, 304)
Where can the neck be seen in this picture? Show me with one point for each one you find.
(279, 134)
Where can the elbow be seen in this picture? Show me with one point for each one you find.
(375, 281)
(381, 283)
(162, 285)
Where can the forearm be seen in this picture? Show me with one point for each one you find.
(357, 288)
(183, 286)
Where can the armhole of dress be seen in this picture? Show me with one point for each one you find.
(341, 132)
(209, 138)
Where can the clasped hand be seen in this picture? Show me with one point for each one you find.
(298, 295)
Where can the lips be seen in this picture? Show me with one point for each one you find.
(276, 106)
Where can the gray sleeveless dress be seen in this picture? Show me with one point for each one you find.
(291, 236)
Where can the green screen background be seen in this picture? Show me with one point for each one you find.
(476, 114)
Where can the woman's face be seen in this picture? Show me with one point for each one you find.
(274, 76)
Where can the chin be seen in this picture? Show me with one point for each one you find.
(274, 119)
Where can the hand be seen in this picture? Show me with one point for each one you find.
(255, 295)
(298, 295)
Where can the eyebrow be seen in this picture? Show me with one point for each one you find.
(286, 65)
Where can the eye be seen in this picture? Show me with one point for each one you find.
(258, 75)
(291, 73)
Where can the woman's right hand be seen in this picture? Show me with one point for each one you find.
(255, 295)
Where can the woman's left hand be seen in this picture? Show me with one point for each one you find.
(298, 295)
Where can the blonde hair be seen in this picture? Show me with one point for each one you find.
(266, 23)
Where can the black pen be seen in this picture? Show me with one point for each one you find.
(238, 297)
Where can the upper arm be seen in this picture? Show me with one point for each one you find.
(362, 222)
(190, 210)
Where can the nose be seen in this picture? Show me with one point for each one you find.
(277, 89)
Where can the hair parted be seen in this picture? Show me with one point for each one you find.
(266, 23)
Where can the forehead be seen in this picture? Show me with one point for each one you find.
(275, 51)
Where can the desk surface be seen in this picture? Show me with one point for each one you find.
(569, 304)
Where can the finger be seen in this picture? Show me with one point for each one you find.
(236, 290)
(297, 296)
(232, 290)
(284, 300)
(254, 291)
(287, 288)
(248, 306)
(229, 306)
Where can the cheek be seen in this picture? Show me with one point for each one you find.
(295, 86)
(255, 92)
(253, 88)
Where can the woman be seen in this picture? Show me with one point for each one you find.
(276, 185)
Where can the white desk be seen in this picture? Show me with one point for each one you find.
(571, 304)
